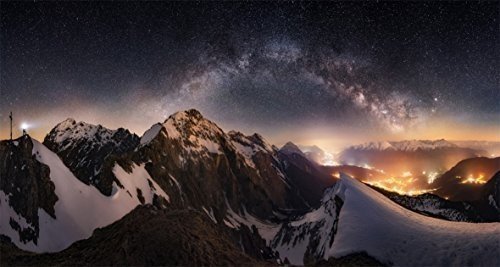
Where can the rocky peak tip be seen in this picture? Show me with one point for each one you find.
(189, 113)
(291, 148)
(193, 112)
(290, 145)
(65, 123)
(68, 120)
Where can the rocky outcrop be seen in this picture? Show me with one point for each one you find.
(205, 167)
(305, 239)
(307, 176)
(491, 192)
(146, 236)
(89, 151)
(25, 186)
(489, 201)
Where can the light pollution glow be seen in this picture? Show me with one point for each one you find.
(405, 185)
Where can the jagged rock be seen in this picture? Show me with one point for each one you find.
(25, 186)
(145, 236)
(90, 151)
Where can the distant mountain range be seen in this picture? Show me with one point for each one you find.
(492, 147)
(407, 145)
(423, 160)
(188, 193)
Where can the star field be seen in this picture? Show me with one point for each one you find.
(307, 71)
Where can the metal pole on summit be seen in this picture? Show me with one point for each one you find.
(10, 116)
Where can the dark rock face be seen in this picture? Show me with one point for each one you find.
(200, 166)
(489, 201)
(27, 184)
(89, 150)
(306, 238)
(356, 259)
(309, 178)
(146, 236)
(491, 191)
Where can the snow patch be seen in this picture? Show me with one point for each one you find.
(150, 134)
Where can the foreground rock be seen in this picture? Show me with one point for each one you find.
(146, 236)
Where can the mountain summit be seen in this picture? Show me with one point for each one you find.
(85, 148)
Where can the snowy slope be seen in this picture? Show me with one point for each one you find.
(80, 208)
(312, 234)
(197, 134)
(354, 218)
(69, 131)
(370, 222)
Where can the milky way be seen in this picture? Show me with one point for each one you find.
(280, 82)
(354, 71)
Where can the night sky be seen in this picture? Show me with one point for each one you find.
(315, 73)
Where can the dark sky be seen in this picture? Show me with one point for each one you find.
(319, 72)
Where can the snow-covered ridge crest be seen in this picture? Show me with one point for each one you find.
(71, 130)
(370, 222)
(190, 122)
(354, 218)
(406, 145)
(198, 133)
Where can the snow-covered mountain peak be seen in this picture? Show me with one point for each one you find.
(71, 130)
(190, 130)
(374, 146)
(66, 123)
(406, 145)
(190, 123)
(411, 145)
(85, 147)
